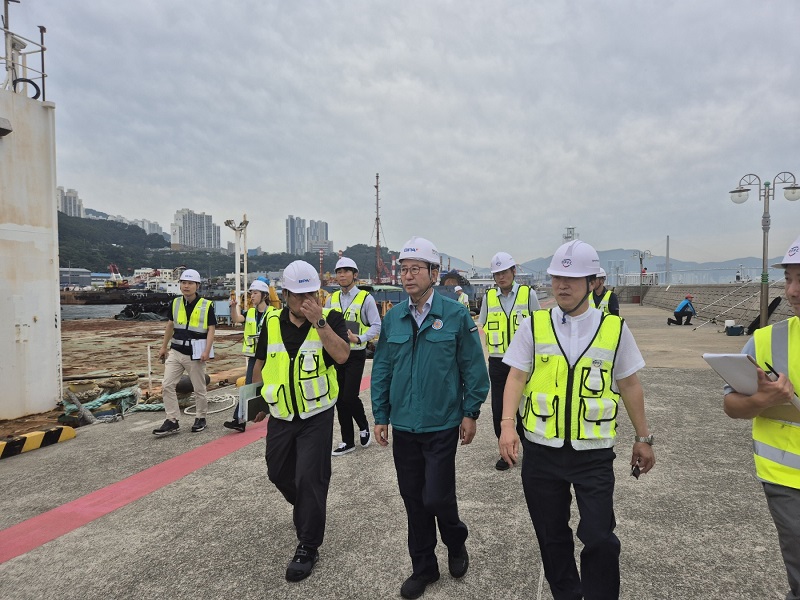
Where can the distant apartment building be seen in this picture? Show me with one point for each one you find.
(194, 230)
(295, 235)
(149, 226)
(69, 203)
(317, 237)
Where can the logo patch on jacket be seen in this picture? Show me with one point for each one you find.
(437, 324)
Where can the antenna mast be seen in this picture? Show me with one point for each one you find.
(381, 271)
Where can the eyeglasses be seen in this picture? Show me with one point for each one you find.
(413, 270)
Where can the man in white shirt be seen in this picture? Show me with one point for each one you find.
(363, 324)
(570, 366)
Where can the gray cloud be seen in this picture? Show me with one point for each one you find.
(493, 125)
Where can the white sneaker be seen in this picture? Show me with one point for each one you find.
(342, 449)
(366, 438)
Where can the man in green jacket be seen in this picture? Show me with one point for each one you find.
(429, 380)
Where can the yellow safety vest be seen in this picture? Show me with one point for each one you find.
(603, 301)
(776, 431)
(500, 327)
(197, 323)
(575, 403)
(353, 313)
(302, 385)
(252, 329)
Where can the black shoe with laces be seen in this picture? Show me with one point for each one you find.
(235, 425)
(303, 562)
(414, 586)
(199, 425)
(168, 427)
(458, 562)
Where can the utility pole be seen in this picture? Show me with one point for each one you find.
(380, 267)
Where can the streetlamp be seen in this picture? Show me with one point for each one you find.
(239, 230)
(641, 255)
(791, 192)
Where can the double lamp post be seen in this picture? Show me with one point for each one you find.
(766, 192)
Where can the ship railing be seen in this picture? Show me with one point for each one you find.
(20, 77)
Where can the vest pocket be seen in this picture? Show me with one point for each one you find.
(274, 393)
(598, 418)
(541, 415)
(313, 390)
(593, 381)
(495, 335)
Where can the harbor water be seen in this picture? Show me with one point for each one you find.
(70, 312)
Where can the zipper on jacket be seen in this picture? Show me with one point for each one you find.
(291, 384)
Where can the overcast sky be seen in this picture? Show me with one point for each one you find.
(494, 125)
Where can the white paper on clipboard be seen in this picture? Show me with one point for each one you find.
(198, 347)
(737, 371)
(740, 373)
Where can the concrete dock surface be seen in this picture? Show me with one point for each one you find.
(194, 516)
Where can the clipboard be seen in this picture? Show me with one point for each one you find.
(739, 372)
(198, 347)
(251, 402)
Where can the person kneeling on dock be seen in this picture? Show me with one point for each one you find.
(684, 309)
(188, 345)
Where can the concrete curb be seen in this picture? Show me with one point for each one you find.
(35, 439)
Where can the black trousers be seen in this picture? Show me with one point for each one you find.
(426, 475)
(299, 464)
(547, 475)
(349, 406)
(498, 374)
(686, 312)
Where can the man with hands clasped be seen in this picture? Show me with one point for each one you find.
(570, 366)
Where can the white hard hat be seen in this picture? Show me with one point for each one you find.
(502, 261)
(602, 273)
(190, 275)
(259, 286)
(792, 256)
(575, 259)
(300, 277)
(420, 249)
(458, 288)
(346, 263)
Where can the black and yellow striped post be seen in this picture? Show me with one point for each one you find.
(35, 439)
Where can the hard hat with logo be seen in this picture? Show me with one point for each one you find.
(575, 259)
(602, 273)
(501, 261)
(190, 275)
(259, 286)
(420, 249)
(792, 256)
(300, 277)
(346, 263)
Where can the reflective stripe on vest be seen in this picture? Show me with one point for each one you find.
(776, 443)
(252, 329)
(500, 327)
(315, 385)
(353, 313)
(578, 404)
(603, 301)
(198, 322)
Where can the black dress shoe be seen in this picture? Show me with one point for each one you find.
(458, 563)
(414, 586)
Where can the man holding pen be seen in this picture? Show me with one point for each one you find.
(776, 422)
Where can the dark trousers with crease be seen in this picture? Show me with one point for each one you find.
(426, 475)
(299, 464)
(547, 476)
(349, 407)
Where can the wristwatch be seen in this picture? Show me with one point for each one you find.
(473, 415)
(321, 323)
(647, 439)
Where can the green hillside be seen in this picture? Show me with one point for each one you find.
(95, 244)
